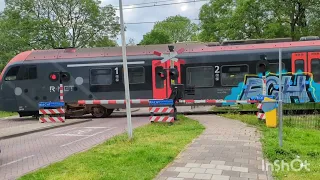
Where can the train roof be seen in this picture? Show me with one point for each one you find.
(140, 50)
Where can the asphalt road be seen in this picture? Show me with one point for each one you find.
(23, 154)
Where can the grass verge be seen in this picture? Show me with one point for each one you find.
(297, 142)
(253, 107)
(7, 114)
(153, 147)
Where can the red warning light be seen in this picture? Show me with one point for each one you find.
(53, 77)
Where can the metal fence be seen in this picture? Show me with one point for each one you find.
(305, 115)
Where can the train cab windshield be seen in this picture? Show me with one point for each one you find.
(12, 73)
(21, 73)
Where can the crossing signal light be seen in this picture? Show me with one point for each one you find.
(174, 74)
(56, 76)
(65, 77)
(162, 74)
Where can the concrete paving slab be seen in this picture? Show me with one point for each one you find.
(232, 147)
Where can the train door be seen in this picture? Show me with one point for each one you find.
(299, 62)
(307, 62)
(314, 65)
(161, 79)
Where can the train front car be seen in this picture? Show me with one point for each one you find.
(13, 80)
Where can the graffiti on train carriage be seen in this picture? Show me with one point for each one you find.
(296, 87)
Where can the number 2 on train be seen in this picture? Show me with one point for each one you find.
(217, 69)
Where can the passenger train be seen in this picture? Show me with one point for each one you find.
(214, 70)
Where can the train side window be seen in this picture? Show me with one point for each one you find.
(101, 76)
(136, 75)
(12, 73)
(30, 72)
(299, 65)
(234, 74)
(315, 69)
(202, 76)
(274, 67)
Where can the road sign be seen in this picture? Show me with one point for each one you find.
(50, 104)
(171, 56)
(164, 102)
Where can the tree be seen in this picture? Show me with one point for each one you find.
(43, 24)
(250, 19)
(155, 37)
(178, 28)
(74, 23)
(171, 30)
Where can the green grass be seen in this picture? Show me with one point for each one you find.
(296, 142)
(7, 114)
(153, 147)
(253, 107)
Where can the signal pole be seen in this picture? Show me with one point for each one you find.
(125, 70)
(171, 49)
(280, 99)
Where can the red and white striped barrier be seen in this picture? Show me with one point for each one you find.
(161, 119)
(215, 101)
(161, 110)
(259, 106)
(53, 115)
(261, 115)
(61, 93)
(114, 102)
(146, 101)
(51, 119)
(52, 111)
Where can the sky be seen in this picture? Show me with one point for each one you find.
(148, 14)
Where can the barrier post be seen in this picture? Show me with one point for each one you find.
(260, 114)
(51, 112)
(161, 107)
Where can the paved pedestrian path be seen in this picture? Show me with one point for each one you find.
(227, 150)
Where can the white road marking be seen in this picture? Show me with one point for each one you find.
(60, 131)
(87, 137)
(16, 161)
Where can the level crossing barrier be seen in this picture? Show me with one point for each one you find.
(260, 114)
(162, 111)
(51, 112)
(146, 102)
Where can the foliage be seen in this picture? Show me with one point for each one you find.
(251, 19)
(43, 24)
(155, 37)
(153, 147)
(7, 114)
(177, 28)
